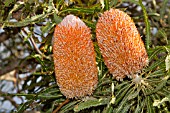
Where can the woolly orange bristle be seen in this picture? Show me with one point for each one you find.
(120, 44)
(74, 58)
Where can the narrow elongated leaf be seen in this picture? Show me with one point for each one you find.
(163, 8)
(126, 108)
(108, 109)
(113, 3)
(49, 89)
(149, 105)
(24, 106)
(125, 100)
(29, 96)
(26, 21)
(155, 52)
(148, 39)
(155, 64)
(140, 105)
(121, 93)
(137, 109)
(68, 107)
(160, 85)
(49, 96)
(106, 4)
(162, 32)
(123, 84)
(83, 10)
(132, 1)
(47, 27)
(91, 103)
(157, 73)
(134, 95)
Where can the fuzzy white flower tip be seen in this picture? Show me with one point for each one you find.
(72, 21)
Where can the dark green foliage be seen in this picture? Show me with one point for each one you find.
(151, 95)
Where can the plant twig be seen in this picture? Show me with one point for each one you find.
(61, 105)
(36, 48)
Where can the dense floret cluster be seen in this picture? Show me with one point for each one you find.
(74, 58)
(120, 44)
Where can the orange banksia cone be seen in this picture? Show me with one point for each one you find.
(120, 44)
(74, 58)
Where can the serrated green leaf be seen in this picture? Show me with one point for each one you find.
(124, 100)
(150, 108)
(163, 34)
(148, 38)
(49, 88)
(113, 3)
(82, 10)
(68, 106)
(140, 105)
(49, 96)
(125, 108)
(134, 95)
(24, 106)
(119, 86)
(155, 64)
(132, 1)
(159, 86)
(157, 73)
(57, 18)
(91, 103)
(90, 24)
(26, 21)
(121, 93)
(155, 52)
(163, 8)
(104, 81)
(108, 109)
(47, 27)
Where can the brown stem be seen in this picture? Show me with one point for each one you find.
(36, 48)
(61, 105)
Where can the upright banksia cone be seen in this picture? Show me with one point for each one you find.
(120, 44)
(74, 58)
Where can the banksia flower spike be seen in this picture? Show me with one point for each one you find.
(74, 58)
(120, 44)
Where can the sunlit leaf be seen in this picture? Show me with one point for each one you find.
(167, 62)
